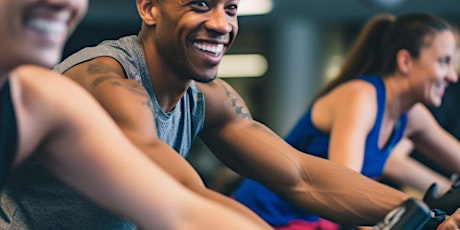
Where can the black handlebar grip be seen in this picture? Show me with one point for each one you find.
(437, 217)
(449, 202)
(411, 214)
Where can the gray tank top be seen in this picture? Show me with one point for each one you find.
(34, 199)
(177, 128)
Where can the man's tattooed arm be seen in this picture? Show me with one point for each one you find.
(240, 109)
(101, 74)
(237, 103)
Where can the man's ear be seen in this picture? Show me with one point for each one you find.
(148, 11)
(403, 61)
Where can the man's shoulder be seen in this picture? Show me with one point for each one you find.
(119, 49)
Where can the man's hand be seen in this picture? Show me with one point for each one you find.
(452, 222)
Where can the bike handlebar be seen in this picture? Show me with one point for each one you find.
(427, 215)
(449, 202)
(412, 214)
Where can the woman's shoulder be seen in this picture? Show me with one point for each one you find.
(353, 97)
(356, 88)
(34, 85)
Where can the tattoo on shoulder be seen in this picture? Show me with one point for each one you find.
(102, 79)
(104, 73)
(237, 103)
(102, 69)
(113, 77)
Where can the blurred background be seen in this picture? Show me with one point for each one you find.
(285, 50)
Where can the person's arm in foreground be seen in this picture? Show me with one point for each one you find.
(317, 185)
(129, 105)
(404, 169)
(432, 140)
(85, 149)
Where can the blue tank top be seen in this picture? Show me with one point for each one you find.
(307, 138)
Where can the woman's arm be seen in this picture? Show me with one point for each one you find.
(432, 140)
(409, 172)
(351, 110)
(85, 149)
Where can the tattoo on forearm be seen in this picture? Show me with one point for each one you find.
(237, 103)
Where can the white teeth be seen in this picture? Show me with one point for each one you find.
(47, 26)
(215, 49)
(63, 15)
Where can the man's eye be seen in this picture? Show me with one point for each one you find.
(232, 9)
(200, 4)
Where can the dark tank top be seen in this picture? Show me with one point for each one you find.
(8, 131)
